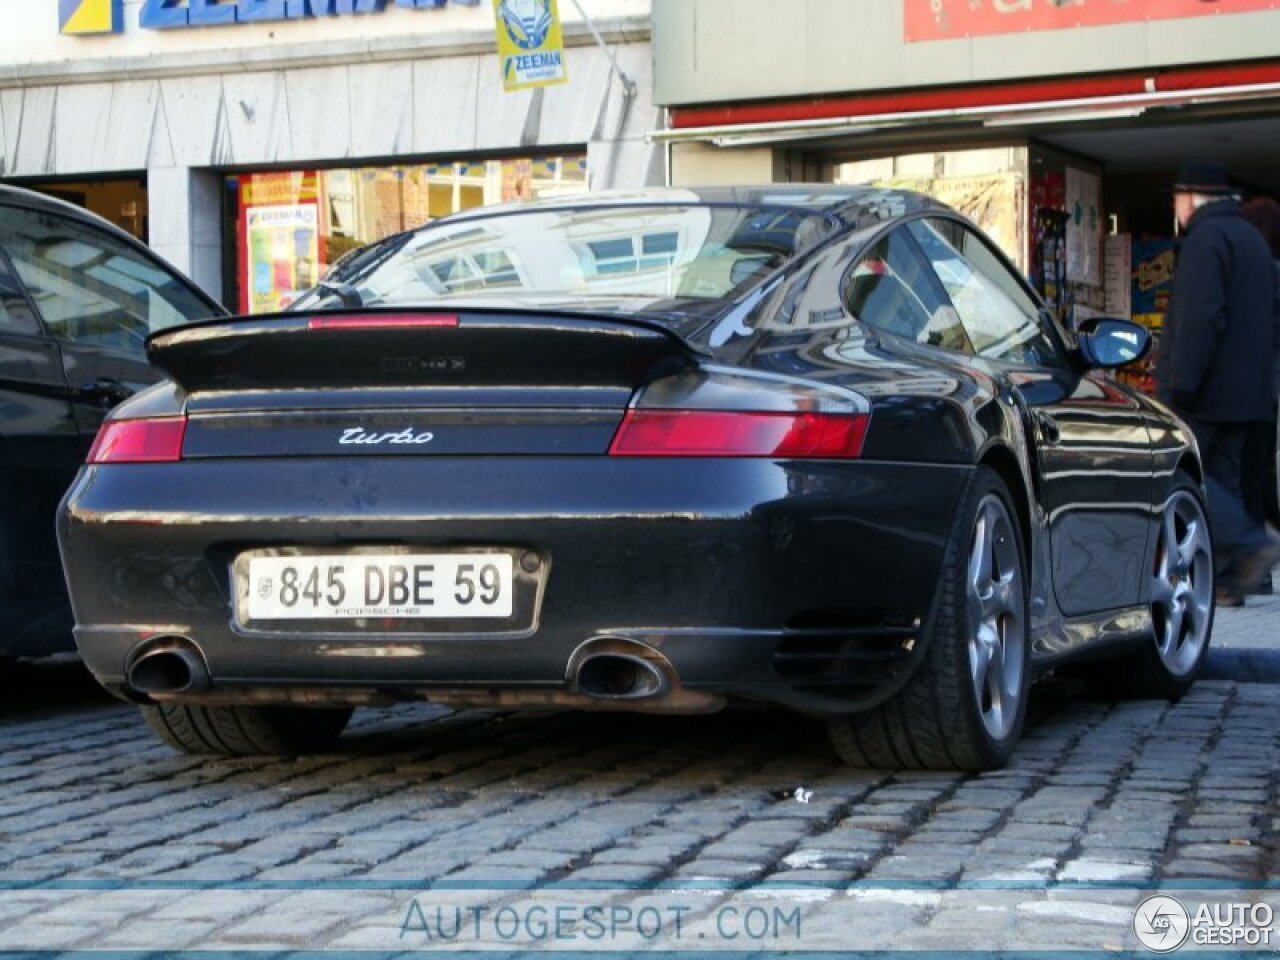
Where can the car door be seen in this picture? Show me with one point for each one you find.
(1092, 450)
(99, 294)
(40, 451)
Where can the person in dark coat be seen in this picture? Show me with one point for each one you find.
(1215, 367)
(1260, 487)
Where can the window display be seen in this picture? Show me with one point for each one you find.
(291, 226)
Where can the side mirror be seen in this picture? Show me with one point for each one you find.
(1107, 342)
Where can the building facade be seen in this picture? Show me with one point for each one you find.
(1058, 126)
(253, 142)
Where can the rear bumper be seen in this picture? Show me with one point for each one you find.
(803, 583)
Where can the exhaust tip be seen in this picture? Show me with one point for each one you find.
(169, 665)
(619, 678)
(613, 669)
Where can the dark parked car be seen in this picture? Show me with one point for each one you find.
(78, 297)
(813, 446)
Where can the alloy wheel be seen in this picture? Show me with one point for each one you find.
(997, 618)
(1182, 585)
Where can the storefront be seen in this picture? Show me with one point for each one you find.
(254, 142)
(1058, 127)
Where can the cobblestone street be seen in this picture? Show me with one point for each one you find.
(1137, 794)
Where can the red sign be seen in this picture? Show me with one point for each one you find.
(952, 19)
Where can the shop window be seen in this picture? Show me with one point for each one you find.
(293, 226)
(120, 200)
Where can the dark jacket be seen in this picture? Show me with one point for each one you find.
(1217, 351)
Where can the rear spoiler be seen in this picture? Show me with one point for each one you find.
(379, 347)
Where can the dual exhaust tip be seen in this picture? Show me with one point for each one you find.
(604, 668)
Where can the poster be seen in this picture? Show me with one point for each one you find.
(530, 45)
(281, 250)
(1117, 267)
(993, 201)
(284, 250)
(1084, 227)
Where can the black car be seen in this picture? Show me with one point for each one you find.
(812, 446)
(78, 297)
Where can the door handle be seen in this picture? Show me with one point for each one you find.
(105, 392)
(1048, 427)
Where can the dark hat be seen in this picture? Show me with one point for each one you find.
(1203, 176)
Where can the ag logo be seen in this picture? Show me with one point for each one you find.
(527, 22)
(1161, 924)
(264, 587)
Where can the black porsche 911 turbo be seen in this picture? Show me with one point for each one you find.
(814, 446)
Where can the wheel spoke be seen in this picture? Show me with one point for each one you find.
(1173, 632)
(980, 651)
(1188, 546)
(980, 558)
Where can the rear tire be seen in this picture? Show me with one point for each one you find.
(964, 706)
(246, 731)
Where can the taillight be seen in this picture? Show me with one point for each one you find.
(381, 321)
(158, 440)
(723, 433)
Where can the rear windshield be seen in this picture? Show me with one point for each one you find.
(662, 251)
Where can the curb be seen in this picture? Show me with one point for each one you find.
(1242, 666)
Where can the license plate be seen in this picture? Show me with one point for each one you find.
(399, 586)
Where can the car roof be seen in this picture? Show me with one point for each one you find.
(853, 205)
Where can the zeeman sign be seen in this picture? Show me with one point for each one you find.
(88, 17)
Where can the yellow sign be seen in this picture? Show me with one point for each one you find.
(530, 44)
(88, 17)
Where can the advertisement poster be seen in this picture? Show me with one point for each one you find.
(1153, 262)
(280, 246)
(284, 248)
(530, 45)
(925, 20)
(1084, 227)
(994, 202)
(1117, 267)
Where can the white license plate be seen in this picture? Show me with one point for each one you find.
(403, 586)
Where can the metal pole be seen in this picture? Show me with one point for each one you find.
(628, 85)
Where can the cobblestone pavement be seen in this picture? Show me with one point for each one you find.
(1135, 794)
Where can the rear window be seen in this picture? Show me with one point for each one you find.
(652, 251)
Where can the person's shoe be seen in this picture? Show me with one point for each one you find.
(1256, 567)
(1264, 588)
(1227, 597)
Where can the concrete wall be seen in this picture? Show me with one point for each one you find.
(719, 50)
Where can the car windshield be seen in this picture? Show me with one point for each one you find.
(655, 251)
